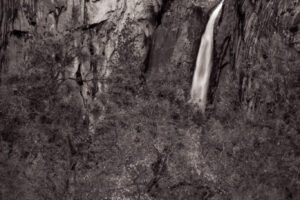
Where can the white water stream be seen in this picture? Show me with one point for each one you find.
(204, 63)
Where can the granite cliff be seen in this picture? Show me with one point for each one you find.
(94, 99)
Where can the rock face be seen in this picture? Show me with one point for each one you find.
(93, 100)
(257, 46)
(98, 30)
(256, 67)
(174, 49)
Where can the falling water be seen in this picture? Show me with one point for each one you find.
(204, 63)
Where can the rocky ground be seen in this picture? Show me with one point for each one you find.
(94, 96)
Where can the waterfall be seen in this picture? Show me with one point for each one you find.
(204, 63)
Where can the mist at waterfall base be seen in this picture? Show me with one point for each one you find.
(204, 63)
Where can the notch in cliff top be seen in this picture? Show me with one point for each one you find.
(166, 4)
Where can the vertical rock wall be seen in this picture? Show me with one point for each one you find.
(97, 28)
(257, 54)
(83, 43)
